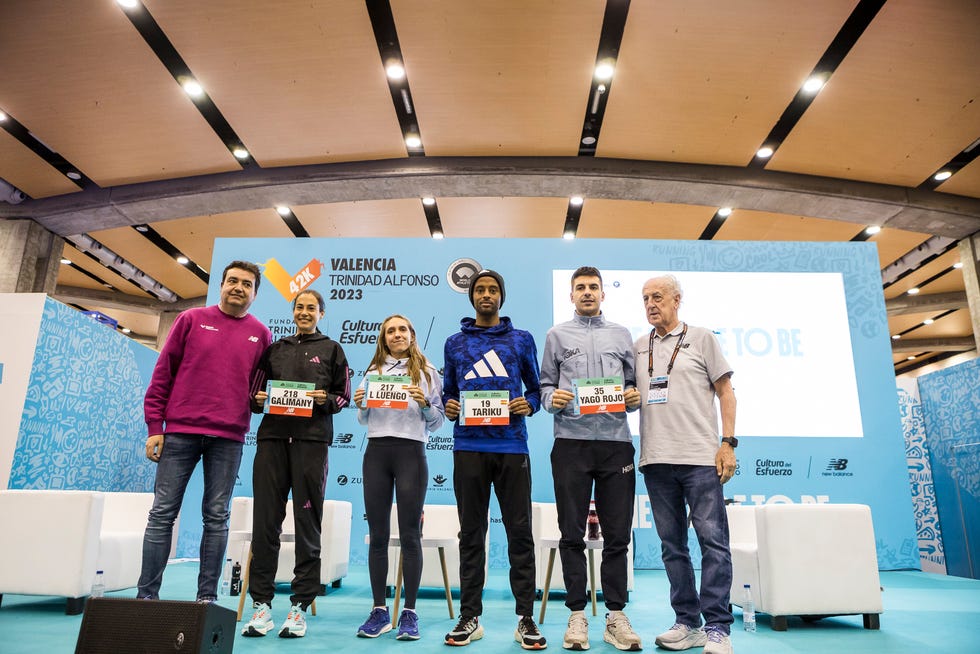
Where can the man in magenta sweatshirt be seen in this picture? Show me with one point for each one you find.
(197, 409)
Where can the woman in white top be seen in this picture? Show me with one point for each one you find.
(394, 464)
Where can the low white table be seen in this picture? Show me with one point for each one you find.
(440, 544)
(552, 546)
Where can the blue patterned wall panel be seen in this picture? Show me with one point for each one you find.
(82, 426)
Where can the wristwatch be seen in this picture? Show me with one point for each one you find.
(731, 440)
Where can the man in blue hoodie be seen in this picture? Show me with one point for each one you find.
(593, 445)
(490, 385)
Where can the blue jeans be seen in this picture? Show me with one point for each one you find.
(180, 455)
(669, 487)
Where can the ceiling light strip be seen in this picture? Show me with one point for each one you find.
(292, 222)
(714, 224)
(41, 149)
(431, 209)
(155, 237)
(610, 39)
(96, 278)
(383, 24)
(165, 51)
(849, 33)
(953, 166)
(572, 218)
(920, 363)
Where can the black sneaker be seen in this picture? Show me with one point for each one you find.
(467, 629)
(527, 634)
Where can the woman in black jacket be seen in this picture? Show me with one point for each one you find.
(305, 380)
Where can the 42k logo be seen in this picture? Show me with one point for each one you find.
(288, 285)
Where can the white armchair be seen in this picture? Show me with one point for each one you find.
(334, 546)
(811, 560)
(544, 524)
(65, 536)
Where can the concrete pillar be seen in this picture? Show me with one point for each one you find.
(970, 256)
(167, 319)
(29, 257)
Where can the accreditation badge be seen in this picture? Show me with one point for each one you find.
(657, 393)
(598, 395)
(479, 408)
(289, 398)
(387, 391)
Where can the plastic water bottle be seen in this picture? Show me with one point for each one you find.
(748, 609)
(98, 586)
(593, 533)
(226, 578)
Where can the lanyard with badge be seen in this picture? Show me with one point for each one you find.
(657, 392)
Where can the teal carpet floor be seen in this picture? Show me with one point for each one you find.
(924, 613)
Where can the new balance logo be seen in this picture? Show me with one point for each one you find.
(489, 366)
(315, 360)
(209, 328)
(253, 339)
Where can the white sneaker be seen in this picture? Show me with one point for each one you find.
(619, 632)
(680, 636)
(718, 643)
(577, 634)
(295, 624)
(261, 622)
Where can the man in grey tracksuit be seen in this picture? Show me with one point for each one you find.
(593, 445)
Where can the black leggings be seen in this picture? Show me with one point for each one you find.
(395, 466)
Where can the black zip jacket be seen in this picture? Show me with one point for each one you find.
(304, 358)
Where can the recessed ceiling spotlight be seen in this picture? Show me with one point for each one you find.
(283, 210)
(71, 174)
(605, 70)
(142, 229)
(942, 175)
(128, 4)
(895, 337)
(928, 321)
(437, 235)
(428, 201)
(725, 212)
(764, 153)
(66, 261)
(182, 260)
(192, 88)
(911, 358)
(413, 141)
(126, 330)
(576, 200)
(813, 84)
(913, 291)
(588, 140)
(3, 116)
(872, 230)
(240, 153)
(395, 70)
(958, 265)
(568, 236)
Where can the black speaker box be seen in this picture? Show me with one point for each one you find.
(131, 626)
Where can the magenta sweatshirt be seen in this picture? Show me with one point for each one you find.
(200, 384)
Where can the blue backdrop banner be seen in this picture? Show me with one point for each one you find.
(803, 325)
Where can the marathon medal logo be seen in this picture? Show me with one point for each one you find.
(460, 273)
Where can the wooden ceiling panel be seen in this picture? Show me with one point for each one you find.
(895, 243)
(632, 219)
(503, 217)
(899, 323)
(195, 236)
(954, 325)
(301, 83)
(135, 248)
(901, 104)
(96, 93)
(499, 77)
(97, 269)
(28, 172)
(952, 281)
(376, 218)
(745, 225)
(966, 181)
(705, 81)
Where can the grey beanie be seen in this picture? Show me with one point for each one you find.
(487, 273)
